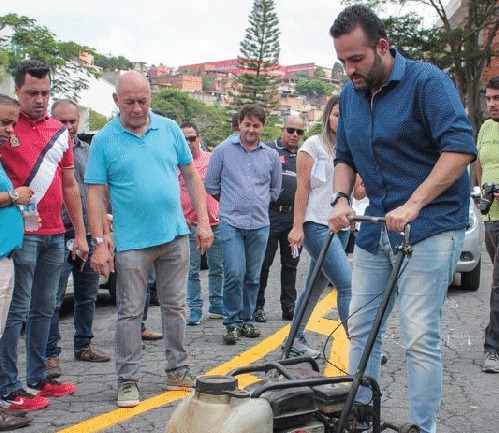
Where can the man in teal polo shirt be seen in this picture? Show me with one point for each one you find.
(137, 155)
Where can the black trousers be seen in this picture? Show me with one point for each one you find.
(492, 245)
(280, 225)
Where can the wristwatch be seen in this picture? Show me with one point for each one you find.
(337, 195)
(14, 196)
(96, 241)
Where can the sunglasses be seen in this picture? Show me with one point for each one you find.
(293, 130)
(192, 138)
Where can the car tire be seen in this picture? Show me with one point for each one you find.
(470, 281)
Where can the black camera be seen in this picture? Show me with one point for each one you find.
(488, 190)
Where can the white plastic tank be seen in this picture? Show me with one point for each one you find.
(216, 405)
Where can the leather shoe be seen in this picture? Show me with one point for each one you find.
(151, 335)
(9, 421)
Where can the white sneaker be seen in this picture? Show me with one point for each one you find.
(491, 363)
(300, 348)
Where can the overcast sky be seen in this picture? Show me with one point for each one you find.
(178, 32)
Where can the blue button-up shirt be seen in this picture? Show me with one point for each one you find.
(246, 182)
(394, 139)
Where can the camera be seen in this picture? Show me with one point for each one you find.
(488, 190)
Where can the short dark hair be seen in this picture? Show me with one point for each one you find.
(493, 83)
(159, 112)
(35, 68)
(253, 111)
(190, 124)
(7, 100)
(359, 15)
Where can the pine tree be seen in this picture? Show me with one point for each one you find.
(259, 58)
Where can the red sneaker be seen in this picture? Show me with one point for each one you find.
(21, 399)
(52, 388)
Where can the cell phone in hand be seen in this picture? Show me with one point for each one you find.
(78, 263)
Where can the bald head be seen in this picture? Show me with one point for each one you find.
(66, 112)
(133, 98)
(132, 79)
(291, 139)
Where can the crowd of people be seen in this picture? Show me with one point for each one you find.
(398, 131)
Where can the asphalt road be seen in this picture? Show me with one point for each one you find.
(470, 403)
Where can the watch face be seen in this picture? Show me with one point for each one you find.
(14, 195)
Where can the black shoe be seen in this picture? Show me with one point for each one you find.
(288, 313)
(259, 315)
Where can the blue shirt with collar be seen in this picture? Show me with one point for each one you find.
(246, 182)
(394, 139)
(141, 172)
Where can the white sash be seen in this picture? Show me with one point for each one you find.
(44, 170)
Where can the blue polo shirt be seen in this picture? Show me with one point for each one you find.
(246, 182)
(143, 183)
(11, 221)
(395, 139)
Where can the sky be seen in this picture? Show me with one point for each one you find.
(179, 32)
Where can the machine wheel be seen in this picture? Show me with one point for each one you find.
(409, 428)
(470, 281)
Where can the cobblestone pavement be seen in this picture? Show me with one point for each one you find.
(470, 403)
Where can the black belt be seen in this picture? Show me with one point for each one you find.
(282, 209)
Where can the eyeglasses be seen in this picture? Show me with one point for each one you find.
(192, 138)
(293, 130)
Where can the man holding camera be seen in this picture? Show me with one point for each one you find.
(487, 171)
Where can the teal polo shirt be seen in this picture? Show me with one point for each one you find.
(143, 183)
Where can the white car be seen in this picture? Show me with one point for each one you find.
(469, 263)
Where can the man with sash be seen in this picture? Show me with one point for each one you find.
(40, 156)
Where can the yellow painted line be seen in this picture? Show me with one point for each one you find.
(316, 324)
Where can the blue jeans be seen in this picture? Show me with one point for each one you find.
(86, 287)
(243, 253)
(215, 274)
(37, 270)
(335, 269)
(171, 263)
(421, 286)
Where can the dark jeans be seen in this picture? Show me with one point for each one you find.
(86, 287)
(492, 244)
(280, 226)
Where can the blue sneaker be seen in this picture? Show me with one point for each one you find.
(194, 318)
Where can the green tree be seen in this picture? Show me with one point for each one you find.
(313, 88)
(111, 63)
(320, 73)
(96, 121)
(22, 38)
(213, 121)
(259, 58)
(176, 104)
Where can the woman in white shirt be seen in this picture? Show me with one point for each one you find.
(312, 206)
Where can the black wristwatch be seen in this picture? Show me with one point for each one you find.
(14, 196)
(337, 195)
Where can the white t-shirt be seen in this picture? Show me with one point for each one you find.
(321, 180)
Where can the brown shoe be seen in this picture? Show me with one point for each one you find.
(9, 421)
(151, 335)
(91, 354)
(53, 367)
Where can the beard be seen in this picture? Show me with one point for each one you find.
(374, 77)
